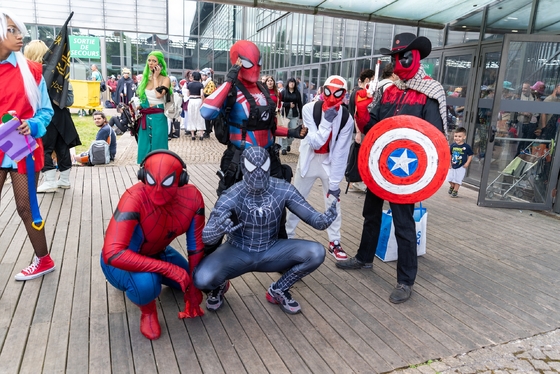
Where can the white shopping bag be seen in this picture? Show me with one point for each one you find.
(387, 243)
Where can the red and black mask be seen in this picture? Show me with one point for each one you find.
(250, 60)
(406, 64)
(161, 175)
(334, 91)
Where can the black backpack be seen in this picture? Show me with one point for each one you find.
(220, 123)
(318, 110)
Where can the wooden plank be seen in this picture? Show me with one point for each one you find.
(185, 355)
(258, 337)
(11, 355)
(120, 341)
(78, 358)
(99, 353)
(56, 353)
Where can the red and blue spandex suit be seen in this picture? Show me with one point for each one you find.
(137, 257)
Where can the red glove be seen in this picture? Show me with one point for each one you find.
(193, 296)
(178, 274)
(132, 261)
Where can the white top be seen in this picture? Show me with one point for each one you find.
(152, 99)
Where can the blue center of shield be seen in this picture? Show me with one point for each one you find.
(402, 162)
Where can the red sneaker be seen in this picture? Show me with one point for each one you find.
(39, 266)
(336, 250)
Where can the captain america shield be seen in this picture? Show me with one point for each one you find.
(404, 159)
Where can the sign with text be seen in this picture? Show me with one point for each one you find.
(84, 47)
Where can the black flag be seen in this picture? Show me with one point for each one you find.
(56, 66)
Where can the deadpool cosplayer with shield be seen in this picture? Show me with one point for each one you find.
(414, 94)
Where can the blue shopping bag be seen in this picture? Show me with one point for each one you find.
(387, 242)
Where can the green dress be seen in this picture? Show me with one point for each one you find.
(155, 135)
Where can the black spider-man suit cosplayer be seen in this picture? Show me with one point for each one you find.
(136, 256)
(249, 212)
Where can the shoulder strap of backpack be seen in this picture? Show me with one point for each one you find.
(248, 96)
(318, 110)
(230, 99)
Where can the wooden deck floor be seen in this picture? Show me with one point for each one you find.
(489, 276)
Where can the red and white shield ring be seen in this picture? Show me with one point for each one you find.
(404, 159)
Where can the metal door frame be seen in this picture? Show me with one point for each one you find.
(547, 205)
(467, 112)
(475, 96)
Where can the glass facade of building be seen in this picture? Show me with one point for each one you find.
(199, 34)
(466, 56)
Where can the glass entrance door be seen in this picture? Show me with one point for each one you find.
(521, 163)
(484, 90)
(457, 72)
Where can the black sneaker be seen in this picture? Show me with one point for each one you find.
(450, 191)
(400, 294)
(284, 299)
(288, 149)
(284, 153)
(353, 263)
(215, 298)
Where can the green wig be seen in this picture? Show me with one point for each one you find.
(141, 90)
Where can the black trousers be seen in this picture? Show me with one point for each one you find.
(53, 141)
(121, 125)
(405, 232)
(208, 126)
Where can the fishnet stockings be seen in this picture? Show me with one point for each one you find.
(21, 194)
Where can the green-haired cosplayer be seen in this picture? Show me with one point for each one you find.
(152, 92)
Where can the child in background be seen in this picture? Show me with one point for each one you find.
(461, 157)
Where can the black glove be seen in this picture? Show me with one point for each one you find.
(330, 114)
(160, 89)
(335, 193)
(295, 133)
(232, 73)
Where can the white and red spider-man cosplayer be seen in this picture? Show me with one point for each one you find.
(249, 212)
(136, 256)
(323, 154)
(252, 116)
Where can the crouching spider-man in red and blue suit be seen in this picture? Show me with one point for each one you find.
(137, 257)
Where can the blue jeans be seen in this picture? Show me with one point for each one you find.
(295, 256)
(405, 232)
(142, 288)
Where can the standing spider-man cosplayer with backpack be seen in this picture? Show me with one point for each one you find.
(137, 257)
(250, 114)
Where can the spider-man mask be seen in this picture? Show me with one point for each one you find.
(162, 172)
(250, 60)
(334, 91)
(255, 164)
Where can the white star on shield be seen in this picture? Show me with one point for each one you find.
(402, 162)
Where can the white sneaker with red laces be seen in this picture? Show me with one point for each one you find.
(38, 267)
(336, 250)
